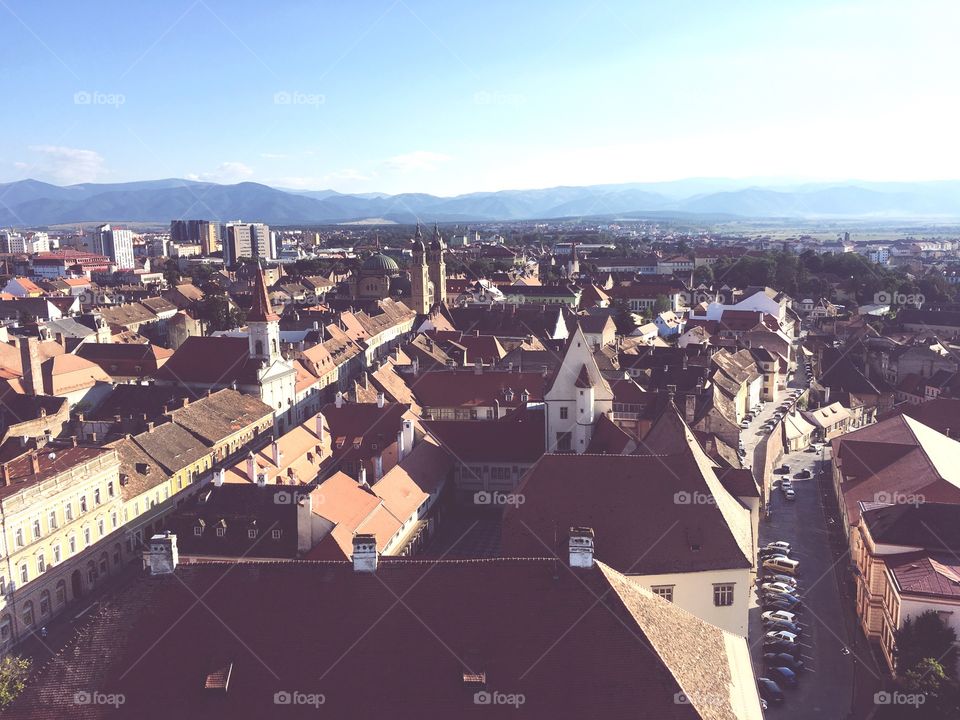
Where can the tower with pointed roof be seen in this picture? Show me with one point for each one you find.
(577, 396)
(420, 289)
(438, 267)
(263, 324)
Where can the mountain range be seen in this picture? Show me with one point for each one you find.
(33, 203)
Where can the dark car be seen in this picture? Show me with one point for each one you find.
(782, 470)
(784, 625)
(778, 602)
(783, 660)
(777, 597)
(802, 475)
(778, 647)
(782, 675)
(769, 690)
(766, 553)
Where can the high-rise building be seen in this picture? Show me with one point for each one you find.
(246, 240)
(204, 233)
(115, 243)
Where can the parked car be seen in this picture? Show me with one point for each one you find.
(773, 615)
(783, 660)
(781, 635)
(812, 449)
(778, 544)
(802, 475)
(765, 554)
(784, 597)
(782, 470)
(782, 675)
(789, 493)
(782, 625)
(769, 690)
(778, 647)
(776, 577)
(782, 565)
(777, 587)
(779, 603)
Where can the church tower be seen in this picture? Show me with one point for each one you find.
(419, 278)
(263, 324)
(438, 268)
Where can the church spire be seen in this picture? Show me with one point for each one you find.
(261, 310)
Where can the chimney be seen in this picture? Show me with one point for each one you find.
(408, 436)
(581, 547)
(34, 462)
(400, 452)
(365, 553)
(416, 366)
(161, 556)
(6, 474)
(277, 455)
(690, 408)
(339, 399)
(251, 468)
(321, 436)
(150, 427)
(378, 467)
(478, 366)
(362, 476)
(380, 400)
(30, 359)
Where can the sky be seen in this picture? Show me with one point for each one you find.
(453, 97)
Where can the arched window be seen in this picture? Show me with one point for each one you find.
(104, 563)
(6, 629)
(28, 614)
(259, 347)
(45, 603)
(61, 592)
(91, 573)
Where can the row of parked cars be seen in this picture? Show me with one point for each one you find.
(781, 606)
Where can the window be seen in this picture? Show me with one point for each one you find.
(73, 544)
(61, 594)
(5, 633)
(113, 519)
(723, 594)
(52, 520)
(28, 614)
(96, 496)
(197, 530)
(86, 536)
(664, 591)
(252, 534)
(36, 529)
(3, 585)
(24, 574)
(221, 531)
(100, 526)
(83, 503)
(564, 413)
(56, 554)
(275, 534)
(41, 564)
(45, 602)
(110, 490)
(19, 536)
(68, 512)
(563, 441)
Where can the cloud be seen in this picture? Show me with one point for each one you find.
(416, 161)
(319, 182)
(66, 165)
(226, 172)
(272, 156)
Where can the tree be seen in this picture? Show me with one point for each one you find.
(661, 304)
(926, 636)
(219, 313)
(171, 272)
(13, 677)
(703, 274)
(623, 319)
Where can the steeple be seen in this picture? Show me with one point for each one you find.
(261, 310)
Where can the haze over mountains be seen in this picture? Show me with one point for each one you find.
(35, 203)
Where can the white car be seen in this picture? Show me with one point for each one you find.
(774, 615)
(782, 635)
(779, 587)
(777, 544)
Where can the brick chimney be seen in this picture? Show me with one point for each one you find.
(365, 554)
(30, 359)
(161, 556)
(581, 547)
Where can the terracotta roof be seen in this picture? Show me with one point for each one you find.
(499, 619)
(211, 360)
(518, 438)
(52, 460)
(932, 574)
(467, 388)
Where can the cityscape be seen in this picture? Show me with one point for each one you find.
(413, 360)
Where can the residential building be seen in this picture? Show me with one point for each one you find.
(115, 243)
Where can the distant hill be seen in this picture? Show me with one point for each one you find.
(35, 203)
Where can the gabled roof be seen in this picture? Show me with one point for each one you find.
(624, 652)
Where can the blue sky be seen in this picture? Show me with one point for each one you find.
(451, 97)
